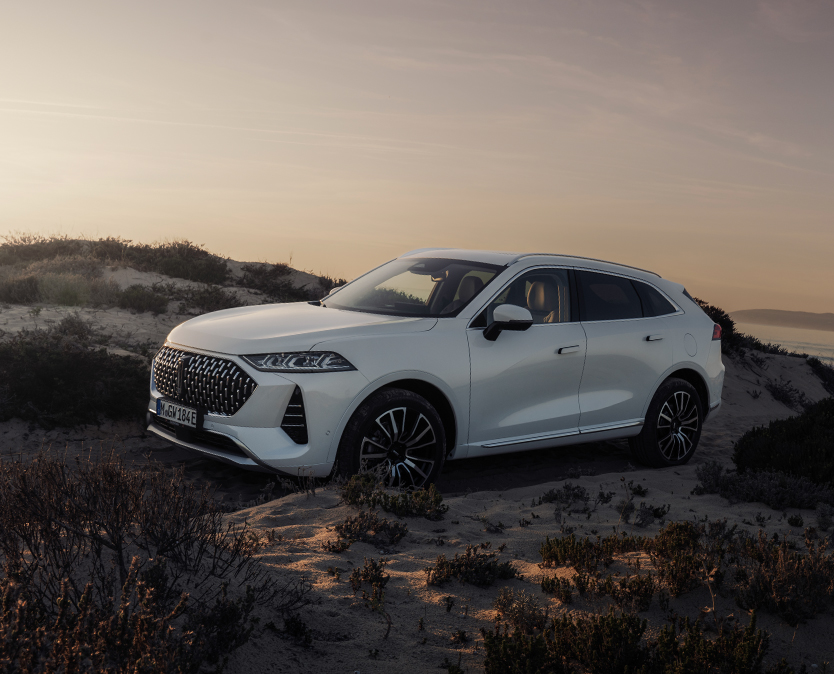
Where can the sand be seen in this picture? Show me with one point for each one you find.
(348, 636)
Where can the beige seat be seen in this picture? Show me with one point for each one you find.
(545, 298)
(469, 287)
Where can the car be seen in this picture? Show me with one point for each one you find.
(441, 355)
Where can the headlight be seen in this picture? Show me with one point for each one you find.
(304, 361)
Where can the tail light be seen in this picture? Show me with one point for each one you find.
(716, 331)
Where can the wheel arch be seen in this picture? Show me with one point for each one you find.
(437, 399)
(416, 382)
(698, 383)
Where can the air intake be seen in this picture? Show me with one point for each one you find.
(294, 423)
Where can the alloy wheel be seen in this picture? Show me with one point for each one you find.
(404, 442)
(677, 426)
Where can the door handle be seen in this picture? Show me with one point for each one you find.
(568, 349)
(654, 338)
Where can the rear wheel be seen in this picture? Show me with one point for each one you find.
(672, 427)
(398, 434)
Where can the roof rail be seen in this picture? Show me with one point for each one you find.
(590, 259)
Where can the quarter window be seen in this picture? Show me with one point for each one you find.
(654, 304)
(607, 298)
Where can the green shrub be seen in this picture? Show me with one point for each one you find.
(57, 378)
(364, 489)
(802, 446)
(140, 299)
(476, 566)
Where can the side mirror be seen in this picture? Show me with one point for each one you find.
(508, 317)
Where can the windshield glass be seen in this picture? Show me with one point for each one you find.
(430, 287)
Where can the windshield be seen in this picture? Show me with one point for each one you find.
(430, 287)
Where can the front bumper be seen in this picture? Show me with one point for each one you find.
(253, 439)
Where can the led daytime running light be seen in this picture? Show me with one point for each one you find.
(303, 361)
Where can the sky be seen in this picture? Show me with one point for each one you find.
(695, 139)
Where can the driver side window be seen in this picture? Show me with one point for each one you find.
(545, 292)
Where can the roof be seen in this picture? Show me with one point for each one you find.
(507, 258)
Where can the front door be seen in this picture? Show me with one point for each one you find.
(525, 385)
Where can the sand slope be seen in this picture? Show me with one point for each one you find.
(348, 636)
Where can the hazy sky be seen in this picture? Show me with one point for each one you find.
(692, 138)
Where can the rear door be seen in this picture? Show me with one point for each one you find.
(628, 350)
(525, 385)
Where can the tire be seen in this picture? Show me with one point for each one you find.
(390, 433)
(672, 427)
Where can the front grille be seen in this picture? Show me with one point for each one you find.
(214, 385)
(213, 440)
(294, 422)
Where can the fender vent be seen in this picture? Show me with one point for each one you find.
(294, 422)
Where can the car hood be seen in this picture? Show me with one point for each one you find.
(284, 327)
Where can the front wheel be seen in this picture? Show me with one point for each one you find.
(396, 433)
(672, 427)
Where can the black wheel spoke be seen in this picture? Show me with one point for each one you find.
(404, 442)
(677, 426)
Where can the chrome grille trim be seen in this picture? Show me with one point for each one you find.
(214, 385)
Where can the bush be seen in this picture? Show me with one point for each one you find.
(802, 446)
(209, 298)
(793, 585)
(23, 290)
(612, 643)
(181, 259)
(272, 281)
(140, 299)
(105, 567)
(58, 377)
(775, 489)
(477, 566)
(824, 371)
(733, 341)
(520, 610)
(77, 265)
(368, 527)
(363, 489)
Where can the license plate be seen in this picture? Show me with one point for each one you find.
(187, 416)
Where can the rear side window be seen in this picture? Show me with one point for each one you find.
(607, 298)
(654, 304)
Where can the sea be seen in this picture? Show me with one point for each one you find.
(819, 343)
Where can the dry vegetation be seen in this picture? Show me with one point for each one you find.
(107, 567)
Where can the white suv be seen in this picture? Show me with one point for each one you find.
(444, 354)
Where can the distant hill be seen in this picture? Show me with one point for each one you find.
(792, 319)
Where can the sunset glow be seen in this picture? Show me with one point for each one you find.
(692, 139)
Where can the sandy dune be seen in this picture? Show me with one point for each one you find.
(349, 637)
